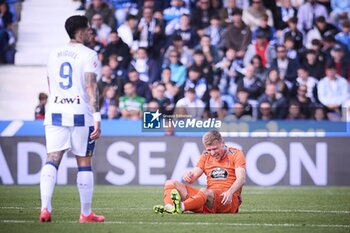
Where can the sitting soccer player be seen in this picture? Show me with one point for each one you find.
(226, 175)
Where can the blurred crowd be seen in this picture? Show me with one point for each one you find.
(10, 15)
(228, 59)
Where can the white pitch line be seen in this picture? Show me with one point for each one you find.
(242, 211)
(289, 225)
(301, 211)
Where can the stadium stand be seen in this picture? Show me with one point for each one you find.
(216, 56)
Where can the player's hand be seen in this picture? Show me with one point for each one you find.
(188, 177)
(227, 197)
(97, 131)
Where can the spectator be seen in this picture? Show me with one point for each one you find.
(304, 79)
(250, 83)
(281, 86)
(102, 8)
(266, 29)
(203, 66)
(82, 5)
(108, 98)
(229, 65)
(262, 47)
(306, 105)
(211, 52)
(190, 104)
(216, 107)
(277, 102)
(123, 8)
(149, 33)
(252, 14)
(96, 45)
(7, 38)
(292, 32)
(102, 29)
(152, 106)
(238, 35)
(265, 111)
(142, 88)
(260, 70)
(341, 62)
(226, 13)
(117, 70)
(283, 13)
(127, 31)
(242, 98)
(116, 46)
(320, 30)
(109, 79)
(200, 16)
(131, 105)
(327, 45)
(187, 33)
(340, 10)
(294, 112)
(308, 12)
(185, 54)
(112, 112)
(148, 68)
(227, 70)
(198, 83)
(289, 44)
(40, 109)
(319, 113)
(173, 14)
(316, 45)
(312, 65)
(215, 31)
(332, 92)
(286, 67)
(344, 36)
(178, 70)
(171, 89)
(158, 94)
(238, 113)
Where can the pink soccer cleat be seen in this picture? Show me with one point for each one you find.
(45, 215)
(91, 218)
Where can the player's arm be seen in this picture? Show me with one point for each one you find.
(92, 93)
(239, 182)
(192, 175)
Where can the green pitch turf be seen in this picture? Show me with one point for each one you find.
(129, 209)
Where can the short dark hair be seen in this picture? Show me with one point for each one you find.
(75, 23)
(43, 96)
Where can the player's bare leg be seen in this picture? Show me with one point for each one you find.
(47, 183)
(85, 184)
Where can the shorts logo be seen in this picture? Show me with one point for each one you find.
(219, 173)
(151, 120)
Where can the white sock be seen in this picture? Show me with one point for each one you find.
(47, 185)
(182, 206)
(85, 184)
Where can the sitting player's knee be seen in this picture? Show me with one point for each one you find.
(171, 182)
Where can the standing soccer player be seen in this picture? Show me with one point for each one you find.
(225, 170)
(72, 121)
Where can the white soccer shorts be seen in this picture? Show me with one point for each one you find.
(76, 139)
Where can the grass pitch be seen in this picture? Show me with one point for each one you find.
(129, 209)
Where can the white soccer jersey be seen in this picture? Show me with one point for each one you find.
(68, 102)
